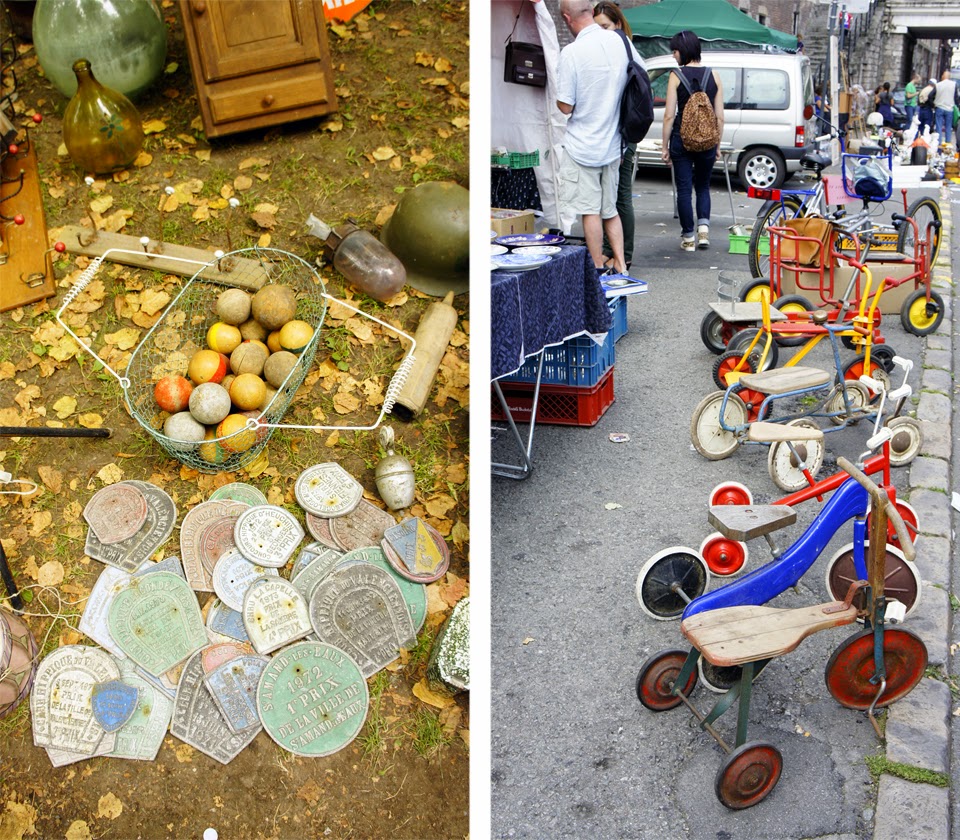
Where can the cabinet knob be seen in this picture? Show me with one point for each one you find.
(199, 7)
(267, 100)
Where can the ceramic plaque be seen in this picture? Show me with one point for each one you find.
(114, 703)
(141, 736)
(360, 610)
(319, 529)
(312, 553)
(416, 550)
(233, 686)
(197, 720)
(312, 699)
(233, 575)
(415, 594)
(328, 490)
(93, 622)
(156, 621)
(213, 656)
(362, 527)
(60, 704)
(267, 535)
(239, 492)
(170, 564)
(226, 622)
(132, 553)
(192, 530)
(116, 512)
(274, 614)
(61, 758)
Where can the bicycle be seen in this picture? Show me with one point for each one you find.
(783, 204)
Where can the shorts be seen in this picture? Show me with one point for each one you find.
(589, 190)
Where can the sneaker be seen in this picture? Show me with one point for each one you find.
(688, 243)
(703, 237)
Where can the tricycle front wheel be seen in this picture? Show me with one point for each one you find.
(657, 678)
(748, 775)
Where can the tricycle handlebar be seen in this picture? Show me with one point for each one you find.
(880, 498)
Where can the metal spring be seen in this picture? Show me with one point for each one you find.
(397, 382)
(88, 274)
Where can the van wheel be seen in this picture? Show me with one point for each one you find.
(764, 168)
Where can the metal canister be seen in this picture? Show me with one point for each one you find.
(394, 475)
(18, 662)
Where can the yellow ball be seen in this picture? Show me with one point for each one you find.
(273, 342)
(247, 391)
(295, 336)
(224, 338)
(207, 366)
(211, 451)
(238, 437)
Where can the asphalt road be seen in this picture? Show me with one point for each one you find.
(574, 754)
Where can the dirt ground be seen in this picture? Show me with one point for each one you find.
(402, 80)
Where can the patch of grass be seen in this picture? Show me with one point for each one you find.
(879, 764)
(429, 736)
(420, 652)
(935, 672)
(374, 736)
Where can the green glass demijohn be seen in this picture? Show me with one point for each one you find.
(125, 40)
(101, 127)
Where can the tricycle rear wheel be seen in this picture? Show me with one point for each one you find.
(665, 575)
(849, 670)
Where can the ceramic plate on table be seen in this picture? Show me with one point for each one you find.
(493, 234)
(529, 239)
(538, 250)
(496, 250)
(520, 262)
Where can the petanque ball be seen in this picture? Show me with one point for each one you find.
(273, 342)
(268, 398)
(209, 403)
(172, 393)
(249, 358)
(239, 438)
(227, 381)
(233, 306)
(278, 366)
(207, 366)
(210, 451)
(182, 426)
(274, 305)
(252, 331)
(223, 338)
(295, 336)
(247, 392)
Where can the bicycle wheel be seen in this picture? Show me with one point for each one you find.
(922, 211)
(771, 213)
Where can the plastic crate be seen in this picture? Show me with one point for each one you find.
(741, 244)
(618, 309)
(516, 160)
(578, 361)
(559, 405)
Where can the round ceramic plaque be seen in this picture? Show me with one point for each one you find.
(233, 575)
(312, 699)
(239, 492)
(328, 490)
(267, 535)
(116, 512)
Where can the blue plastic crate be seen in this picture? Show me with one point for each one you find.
(579, 361)
(618, 309)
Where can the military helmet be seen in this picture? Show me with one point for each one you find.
(430, 233)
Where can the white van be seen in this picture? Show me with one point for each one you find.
(765, 96)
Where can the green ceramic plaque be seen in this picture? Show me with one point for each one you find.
(312, 699)
(415, 594)
(156, 621)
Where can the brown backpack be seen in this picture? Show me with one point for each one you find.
(699, 128)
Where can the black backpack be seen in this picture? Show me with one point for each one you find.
(636, 104)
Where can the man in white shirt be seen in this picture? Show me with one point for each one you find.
(592, 73)
(945, 99)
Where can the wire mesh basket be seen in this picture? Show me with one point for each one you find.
(181, 330)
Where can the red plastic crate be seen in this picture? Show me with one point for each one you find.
(561, 405)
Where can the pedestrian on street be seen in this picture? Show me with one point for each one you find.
(945, 99)
(882, 101)
(691, 170)
(925, 105)
(591, 76)
(910, 94)
(609, 16)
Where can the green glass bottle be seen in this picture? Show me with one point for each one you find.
(101, 127)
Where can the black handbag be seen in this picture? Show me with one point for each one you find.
(525, 63)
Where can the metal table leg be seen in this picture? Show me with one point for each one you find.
(525, 467)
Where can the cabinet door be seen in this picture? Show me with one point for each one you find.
(241, 37)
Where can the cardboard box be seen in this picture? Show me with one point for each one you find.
(891, 300)
(507, 222)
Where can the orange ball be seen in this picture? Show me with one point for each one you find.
(207, 366)
(295, 336)
(238, 437)
(248, 391)
(172, 393)
(223, 338)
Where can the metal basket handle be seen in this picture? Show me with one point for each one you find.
(83, 281)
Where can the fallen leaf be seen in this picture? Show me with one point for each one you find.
(423, 59)
(438, 699)
(441, 65)
(52, 478)
(383, 153)
(123, 339)
(143, 159)
(101, 203)
(242, 183)
(460, 534)
(109, 806)
(345, 403)
(250, 162)
(332, 125)
(17, 820)
(264, 240)
(529, 639)
(612, 506)
(184, 753)
(310, 793)
(440, 505)
(110, 474)
(78, 830)
(38, 524)
(202, 154)
(264, 220)
(154, 126)
(64, 407)
(456, 473)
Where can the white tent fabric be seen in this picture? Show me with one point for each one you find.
(524, 118)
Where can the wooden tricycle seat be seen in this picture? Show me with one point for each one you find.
(736, 635)
(784, 380)
(746, 522)
(761, 431)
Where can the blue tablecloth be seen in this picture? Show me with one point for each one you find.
(530, 310)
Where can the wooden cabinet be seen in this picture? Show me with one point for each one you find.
(257, 63)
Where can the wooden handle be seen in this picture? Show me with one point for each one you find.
(267, 100)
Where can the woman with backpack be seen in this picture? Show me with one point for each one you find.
(925, 101)
(692, 128)
(883, 102)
